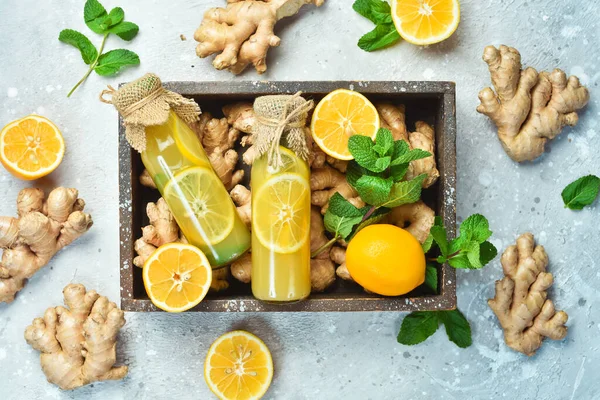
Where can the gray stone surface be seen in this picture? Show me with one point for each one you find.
(320, 356)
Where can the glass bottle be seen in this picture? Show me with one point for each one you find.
(181, 170)
(281, 229)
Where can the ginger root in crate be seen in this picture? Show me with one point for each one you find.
(326, 181)
(521, 304)
(243, 32)
(528, 108)
(393, 118)
(163, 229)
(78, 342)
(44, 227)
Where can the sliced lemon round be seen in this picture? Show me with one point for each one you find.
(187, 141)
(238, 366)
(424, 22)
(177, 277)
(290, 163)
(196, 194)
(341, 114)
(281, 213)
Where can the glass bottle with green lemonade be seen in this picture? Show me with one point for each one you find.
(180, 168)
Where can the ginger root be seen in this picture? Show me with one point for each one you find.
(394, 118)
(521, 304)
(242, 198)
(326, 181)
(416, 218)
(43, 228)
(240, 116)
(78, 343)
(163, 229)
(528, 108)
(243, 32)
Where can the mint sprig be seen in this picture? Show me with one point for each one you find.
(581, 193)
(105, 23)
(380, 13)
(377, 174)
(469, 250)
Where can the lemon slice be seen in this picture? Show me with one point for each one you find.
(238, 366)
(177, 277)
(341, 114)
(187, 142)
(31, 147)
(195, 194)
(291, 163)
(279, 218)
(425, 22)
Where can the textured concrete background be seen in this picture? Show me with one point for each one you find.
(320, 356)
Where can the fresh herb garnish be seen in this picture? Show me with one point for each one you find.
(377, 173)
(581, 193)
(385, 33)
(101, 22)
(470, 250)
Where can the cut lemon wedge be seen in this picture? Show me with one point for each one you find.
(31, 147)
(187, 141)
(177, 276)
(238, 366)
(278, 215)
(194, 193)
(425, 22)
(341, 114)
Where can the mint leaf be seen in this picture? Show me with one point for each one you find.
(361, 148)
(457, 327)
(81, 42)
(400, 148)
(398, 172)
(340, 225)
(487, 252)
(412, 155)
(115, 16)
(417, 327)
(338, 205)
(431, 277)
(406, 192)
(476, 227)
(426, 245)
(438, 233)
(382, 36)
(375, 218)
(373, 189)
(377, 11)
(471, 249)
(384, 142)
(354, 172)
(94, 15)
(581, 193)
(125, 30)
(112, 62)
(460, 261)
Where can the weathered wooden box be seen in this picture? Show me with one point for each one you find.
(433, 102)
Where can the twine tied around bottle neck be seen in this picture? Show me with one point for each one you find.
(145, 102)
(277, 117)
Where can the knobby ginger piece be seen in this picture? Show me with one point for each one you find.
(528, 108)
(521, 304)
(44, 227)
(243, 32)
(78, 342)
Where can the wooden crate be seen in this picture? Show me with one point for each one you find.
(433, 102)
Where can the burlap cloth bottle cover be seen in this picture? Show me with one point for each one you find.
(145, 102)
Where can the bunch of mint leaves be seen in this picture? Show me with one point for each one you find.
(470, 250)
(104, 23)
(385, 33)
(377, 173)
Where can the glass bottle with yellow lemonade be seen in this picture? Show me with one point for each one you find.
(281, 229)
(179, 166)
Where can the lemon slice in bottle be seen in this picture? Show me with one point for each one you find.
(187, 142)
(277, 213)
(193, 193)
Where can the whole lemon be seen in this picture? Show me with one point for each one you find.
(386, 260)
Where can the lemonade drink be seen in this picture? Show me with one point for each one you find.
(281, 229)
(194, 193)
